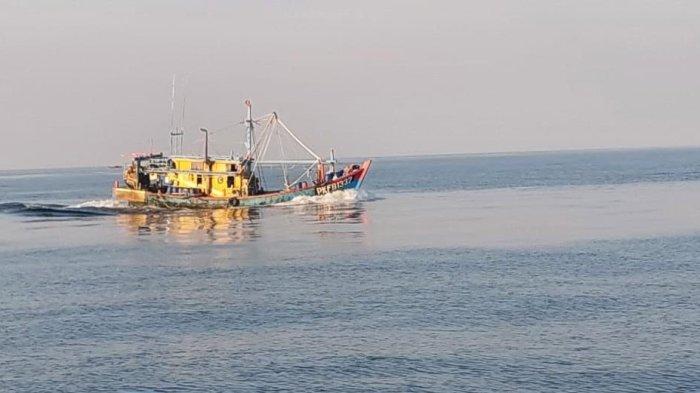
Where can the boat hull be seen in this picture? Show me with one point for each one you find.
(351, 181)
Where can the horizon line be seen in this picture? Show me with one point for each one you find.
(419, 155)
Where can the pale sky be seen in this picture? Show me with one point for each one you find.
(84, 82)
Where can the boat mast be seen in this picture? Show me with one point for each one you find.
(249, 139)
(332, 160)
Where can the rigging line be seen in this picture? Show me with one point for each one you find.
(263, 135)
(306, 172)
(284, 157)
(223, 128)
(298, 141)
(266, 144)
(257, 121)
(263, 117)
(211, 146)
(269, 130)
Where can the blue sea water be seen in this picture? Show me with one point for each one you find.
(560, 271)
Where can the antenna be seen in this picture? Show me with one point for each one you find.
(179, 134)
(175, 133)
(172, 104)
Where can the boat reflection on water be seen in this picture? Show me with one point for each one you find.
(340, 213)
(335, 225)
(240, 225)
(194, 225)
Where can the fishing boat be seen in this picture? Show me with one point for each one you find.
(181, 181)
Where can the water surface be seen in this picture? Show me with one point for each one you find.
(551, 271)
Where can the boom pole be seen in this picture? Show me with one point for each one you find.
(311, 152)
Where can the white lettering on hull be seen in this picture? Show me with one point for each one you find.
(333, 186)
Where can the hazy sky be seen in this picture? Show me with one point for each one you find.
(85, 82)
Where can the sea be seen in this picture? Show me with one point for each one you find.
(558, 271)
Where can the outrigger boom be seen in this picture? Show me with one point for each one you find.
(204, 181)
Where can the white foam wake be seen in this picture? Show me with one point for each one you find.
(101, 204)
(336, 197)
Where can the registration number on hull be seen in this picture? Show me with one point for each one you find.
(333, 186)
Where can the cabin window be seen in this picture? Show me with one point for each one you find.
(233, 167)
(229, 181)
(199, 179)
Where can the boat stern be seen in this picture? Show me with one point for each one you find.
(129, 195)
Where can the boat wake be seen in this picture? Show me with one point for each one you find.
(100, 204)
(108, 207)
(337, 197)
(52, 210)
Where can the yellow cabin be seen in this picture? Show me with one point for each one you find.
(215, 177)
